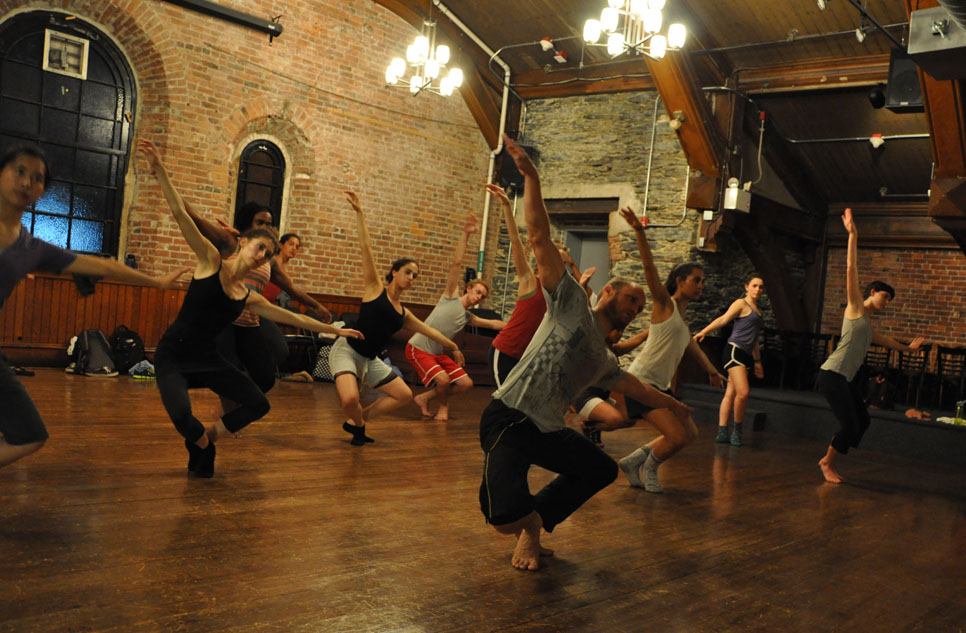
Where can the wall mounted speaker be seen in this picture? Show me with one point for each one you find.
(510, 176)
(903, 94)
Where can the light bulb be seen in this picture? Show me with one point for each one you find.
(456, 77)
(615, 4)
(415, 84)
(445, 87)
(676, 35)
(442, 54)
(432, 69)
(391, 76)
(655, 4)
(652, 20)
(422, 47)
(398, 66)
(615, 44)
(608, 19)
(592, 31)
(638, 7)
(411, 56)
(658, 46)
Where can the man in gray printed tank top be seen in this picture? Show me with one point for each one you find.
(523, 425)
(835, 380)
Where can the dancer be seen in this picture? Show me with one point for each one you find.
(186, 357)
(289, 246)
(836, 379)
(508, 346)
(523, 424)
(24, 176)
(380, 316)
(451, 314)
(668, 340)
(740, 353)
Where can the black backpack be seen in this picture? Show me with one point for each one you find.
(91, 355)
(127, 347)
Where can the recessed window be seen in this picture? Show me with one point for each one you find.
(261, 177)
(65, 54)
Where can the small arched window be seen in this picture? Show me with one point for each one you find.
(261, 177)
(66, 87)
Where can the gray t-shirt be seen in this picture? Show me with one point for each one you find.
(449, 317)
(850, 353)
(566, 355)
(26, 255)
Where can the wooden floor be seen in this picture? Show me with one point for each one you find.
(299, 531)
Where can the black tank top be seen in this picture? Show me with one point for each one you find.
(378, 321)
(190, 340)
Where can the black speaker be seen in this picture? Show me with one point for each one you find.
(510, 177)
(903, 94)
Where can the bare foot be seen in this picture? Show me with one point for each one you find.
(526, 555)
(829, 473)
(422, 401)
(443, 414)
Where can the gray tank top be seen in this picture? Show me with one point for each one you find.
(662, 352)
(850, 352)
(746, 331)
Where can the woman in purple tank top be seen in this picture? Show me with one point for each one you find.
(740, 354)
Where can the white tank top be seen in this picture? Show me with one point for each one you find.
(662, 353)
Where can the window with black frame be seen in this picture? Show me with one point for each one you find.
(66, 87)
(261, 178)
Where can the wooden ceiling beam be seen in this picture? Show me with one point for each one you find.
(680, 91)
(945, 104)
(815, 74)
(625, 76)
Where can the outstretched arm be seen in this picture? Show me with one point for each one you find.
(372, 282)
(714, 377)
(550, 266)
(663, 306)
(101, 267)
(281, 279)
(454, 277)
(733, 312)
(261, 306)
(410, 322)
(855, 307)
(623, 347)
(205, 251)
(891, 343)
(492, 324)
(526, 280)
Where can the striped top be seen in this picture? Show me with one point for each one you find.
(256, 279)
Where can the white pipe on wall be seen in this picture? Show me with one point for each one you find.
(499, 141)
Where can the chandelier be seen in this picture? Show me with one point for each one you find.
(638, 34)
(427, 61)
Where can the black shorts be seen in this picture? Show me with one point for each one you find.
(20, 422)
(734, 356)
(637, 410)
(591, 393)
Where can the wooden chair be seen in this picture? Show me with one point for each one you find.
(951, 376)
(911, 369)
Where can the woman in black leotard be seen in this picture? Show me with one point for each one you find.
(186, 356)
(380, 316)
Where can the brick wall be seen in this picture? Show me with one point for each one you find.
(928, 298)
(205, 86)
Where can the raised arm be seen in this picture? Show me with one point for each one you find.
(454, 277)
(733, 312)
(550, 266)
(102, 267)
(208, 256)
(410, 322)
(281, 279)
(526, 280)
(262, 307)
(224, 237)
(855, 307)
(663, 307)
(371, 280)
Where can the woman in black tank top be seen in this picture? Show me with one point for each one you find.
(380, 316)
(186, 357)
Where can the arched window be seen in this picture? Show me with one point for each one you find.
(67, 88)
(261, 177)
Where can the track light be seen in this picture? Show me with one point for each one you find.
(860, 34)
(822, 4)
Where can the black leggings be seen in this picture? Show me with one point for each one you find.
(257, 350)
(20, 422)
(228, 382)
(847, 405)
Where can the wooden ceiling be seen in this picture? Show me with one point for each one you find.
(804, 66)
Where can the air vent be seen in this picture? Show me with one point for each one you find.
(65, 54)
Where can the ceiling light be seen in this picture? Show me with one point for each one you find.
(427, 62)
(860, 34)
(822, 4)
(632, 26)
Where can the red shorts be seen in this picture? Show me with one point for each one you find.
(428, 366)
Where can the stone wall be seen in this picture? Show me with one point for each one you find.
(598, 147)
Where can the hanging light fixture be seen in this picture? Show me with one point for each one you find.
(427, 61)
(633, 26)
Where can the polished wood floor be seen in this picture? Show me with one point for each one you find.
(299, 531)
